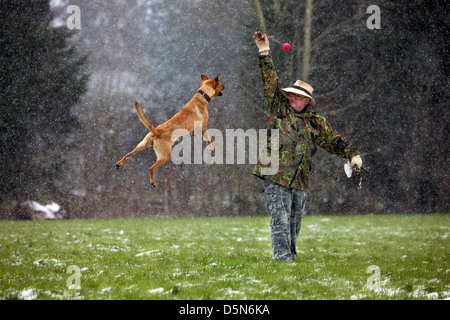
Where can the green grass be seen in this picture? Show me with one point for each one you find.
(226, 258)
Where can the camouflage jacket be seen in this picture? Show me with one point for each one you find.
(299, 135)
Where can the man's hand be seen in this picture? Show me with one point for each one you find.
(261, 41)
(356, 161)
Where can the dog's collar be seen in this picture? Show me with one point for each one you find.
(208, 98)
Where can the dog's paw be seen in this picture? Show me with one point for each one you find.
(117, 165)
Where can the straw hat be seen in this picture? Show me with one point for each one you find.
(303, 89)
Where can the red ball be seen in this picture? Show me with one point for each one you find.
(286, 47)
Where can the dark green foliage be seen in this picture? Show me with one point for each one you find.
(40, 81)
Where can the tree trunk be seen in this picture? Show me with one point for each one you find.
(259, 12)
(306, 69)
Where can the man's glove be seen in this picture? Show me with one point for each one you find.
(356, 161)
(356, 172)
(261, 41)
(354, 169)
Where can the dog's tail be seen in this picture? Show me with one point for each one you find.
(144, 119)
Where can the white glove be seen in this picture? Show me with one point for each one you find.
(356, 161)
(261, 41)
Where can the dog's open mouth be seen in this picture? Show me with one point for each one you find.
(220, 93)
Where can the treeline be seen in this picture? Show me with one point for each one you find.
(40, 82)
(385, 90)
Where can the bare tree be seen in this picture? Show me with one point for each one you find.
(306, 68)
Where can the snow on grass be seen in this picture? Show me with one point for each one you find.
(225, 258)
(150, 253)
(28, 294)
(157, 290)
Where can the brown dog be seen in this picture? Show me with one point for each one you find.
(162, 137)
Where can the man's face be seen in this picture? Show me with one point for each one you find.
(298, 102)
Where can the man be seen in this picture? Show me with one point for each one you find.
(300, 132)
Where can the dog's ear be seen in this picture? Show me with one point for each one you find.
(204, 77)
(217, 78)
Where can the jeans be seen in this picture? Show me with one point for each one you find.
(286, 208)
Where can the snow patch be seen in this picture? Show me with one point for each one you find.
(150, 253)
(28, 294)
(158, 290)
(51, 210)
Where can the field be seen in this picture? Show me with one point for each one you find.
(340, 257)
